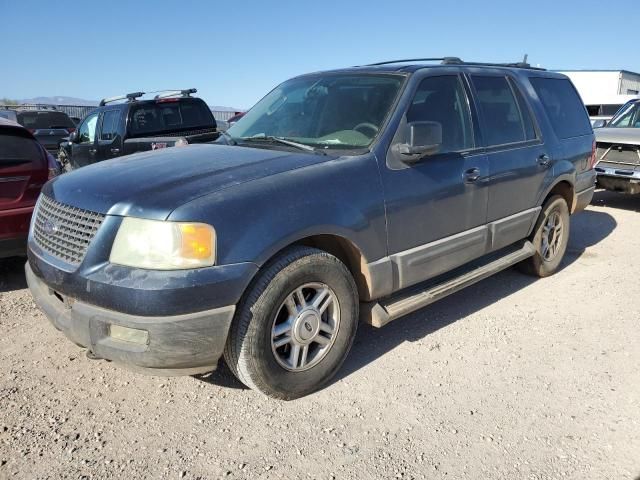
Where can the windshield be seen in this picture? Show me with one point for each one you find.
(324, 111)
(627, 117)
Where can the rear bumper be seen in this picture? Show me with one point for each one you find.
(172, 345)
(583, 199)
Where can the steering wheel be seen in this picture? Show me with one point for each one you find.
(367, 125)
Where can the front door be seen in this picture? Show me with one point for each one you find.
(519, 162)
(83, 151)
(108, 138)
(437, 207)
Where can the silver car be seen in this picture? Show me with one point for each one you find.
(618, 151)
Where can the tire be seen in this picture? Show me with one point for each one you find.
(545, 262)
(280, 300)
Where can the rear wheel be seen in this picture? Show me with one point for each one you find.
(550, 238)
(295, 325)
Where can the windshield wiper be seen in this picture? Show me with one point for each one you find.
(282, 140)
(229, 139)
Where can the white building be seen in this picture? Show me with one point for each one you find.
(604, 91)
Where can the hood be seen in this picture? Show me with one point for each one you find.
(618, 135)
(153, 184)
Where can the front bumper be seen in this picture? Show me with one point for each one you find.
(180, 344)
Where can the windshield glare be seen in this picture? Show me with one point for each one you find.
(628, 117)
(331, 111)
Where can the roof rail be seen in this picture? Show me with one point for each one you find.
(444, 60)
(174, 93)
(131, 97)
(458, 61)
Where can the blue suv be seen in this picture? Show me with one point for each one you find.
(357, 194)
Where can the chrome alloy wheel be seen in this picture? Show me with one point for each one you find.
(305, 327)
(552, 233)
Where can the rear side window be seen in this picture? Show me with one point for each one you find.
(563, 106)
(36, 120)
(109, 125)
(167, 116)
(506, 120)
(17, 149)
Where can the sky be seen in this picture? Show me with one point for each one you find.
(234, 52)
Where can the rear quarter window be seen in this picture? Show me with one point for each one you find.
(563, 105)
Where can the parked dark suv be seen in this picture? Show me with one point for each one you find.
(128, 124)
(369, 191)
(48, 125)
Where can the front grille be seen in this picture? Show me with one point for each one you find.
(64, 232)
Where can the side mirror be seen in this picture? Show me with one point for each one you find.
(73, 138)
(599, 123)
(423, 139)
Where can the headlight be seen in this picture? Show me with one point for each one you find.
(158, 245)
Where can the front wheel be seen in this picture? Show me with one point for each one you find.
(295, 325)
(550, 238)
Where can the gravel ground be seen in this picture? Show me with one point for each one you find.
(511, 378)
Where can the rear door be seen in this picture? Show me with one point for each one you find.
(109, 139)
(83, 151)
(520, 164)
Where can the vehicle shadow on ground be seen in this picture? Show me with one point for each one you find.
(623, 201)
(12, 274)
(587, 229)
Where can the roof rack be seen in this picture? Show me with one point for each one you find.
(131, 97)
(175, 93)
(458, 61)
(443, 60)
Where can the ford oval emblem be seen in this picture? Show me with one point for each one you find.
(50, 227)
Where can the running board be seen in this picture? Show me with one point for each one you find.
(380, 313)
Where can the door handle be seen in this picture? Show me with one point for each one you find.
(472, 175)
(544, 160)
(92, 151)
(115, 151)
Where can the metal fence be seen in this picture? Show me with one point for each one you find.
(80, 111)
(222, 114)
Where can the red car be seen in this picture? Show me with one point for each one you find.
(25, 166)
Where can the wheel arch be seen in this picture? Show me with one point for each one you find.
(565, 188)
(346, 251)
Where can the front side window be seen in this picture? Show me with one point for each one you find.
(628, 117)
(502, 114)
(331, 111)
(443, 100)
(88, 129)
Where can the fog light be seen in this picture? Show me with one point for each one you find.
(131, 335)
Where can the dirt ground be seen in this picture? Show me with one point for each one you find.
(513, 378)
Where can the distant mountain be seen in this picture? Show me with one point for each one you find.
(60, 101)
